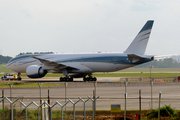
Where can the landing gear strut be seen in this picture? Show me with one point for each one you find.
(66, 79)
(19, 77)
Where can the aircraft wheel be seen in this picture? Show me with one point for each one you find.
(84, 79)
(19, 78)
(71, 79)
(94, 79)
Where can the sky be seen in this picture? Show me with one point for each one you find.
(78, 26)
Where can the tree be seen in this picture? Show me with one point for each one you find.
(4, 59)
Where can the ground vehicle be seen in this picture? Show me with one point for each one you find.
(8, 76)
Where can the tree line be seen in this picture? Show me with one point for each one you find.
(165, 63)
(27, 53)
(4, 59)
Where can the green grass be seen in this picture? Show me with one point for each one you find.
(136, 74)
(48, 75)
(4, 69)
(20, 84)
(31, 114)
(165, 111)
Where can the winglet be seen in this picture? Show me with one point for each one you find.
(138, 45)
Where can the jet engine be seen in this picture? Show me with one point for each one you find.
(35, 71)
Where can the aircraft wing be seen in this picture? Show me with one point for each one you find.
(53, 65)
(46, 62)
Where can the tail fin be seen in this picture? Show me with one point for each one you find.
(138, 45)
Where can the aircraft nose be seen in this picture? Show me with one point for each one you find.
(7, 65)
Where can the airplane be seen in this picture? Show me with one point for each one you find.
(83, 65)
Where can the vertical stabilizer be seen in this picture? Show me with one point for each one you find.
(138, 45)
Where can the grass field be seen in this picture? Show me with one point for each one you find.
(161, 75)
(20, 84)
(4, 69)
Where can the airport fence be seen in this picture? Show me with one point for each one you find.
(111, 93)
(45, 108)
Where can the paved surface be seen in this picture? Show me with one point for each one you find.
(75, 79)
(109, 92)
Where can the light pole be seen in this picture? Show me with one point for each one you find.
(151, 83)
(40, 86)
(150, 67)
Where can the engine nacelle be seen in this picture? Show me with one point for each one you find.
(35, 71)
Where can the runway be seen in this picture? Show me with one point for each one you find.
(56, 79)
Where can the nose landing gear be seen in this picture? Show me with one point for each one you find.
(19, 77)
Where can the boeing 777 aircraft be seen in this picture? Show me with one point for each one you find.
(83, 65)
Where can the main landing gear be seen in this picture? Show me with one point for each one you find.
(89, 79)
(66, 79)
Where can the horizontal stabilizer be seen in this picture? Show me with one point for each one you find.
(134, 58)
